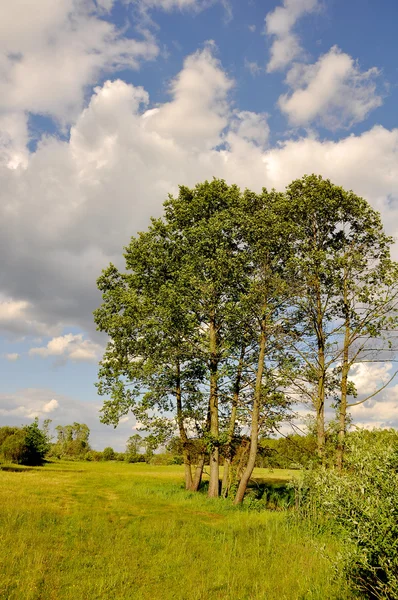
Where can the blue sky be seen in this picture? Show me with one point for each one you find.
(105, 107)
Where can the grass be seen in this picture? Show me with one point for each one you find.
(115, 531)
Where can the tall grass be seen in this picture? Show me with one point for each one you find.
(115, 531)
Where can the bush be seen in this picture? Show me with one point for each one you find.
(108, 453)
(134, 458)
(93, 456)
(162, 459)
(25, 446)
(362, 503)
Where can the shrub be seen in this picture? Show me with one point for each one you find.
(162, 459)
(108, 453)
(25, 446)
(93, 456)
(362, 503)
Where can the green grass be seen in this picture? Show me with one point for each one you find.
(115, 531)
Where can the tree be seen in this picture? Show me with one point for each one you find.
(265, 237)
(167, 319)
(72, 440)
(341, 260)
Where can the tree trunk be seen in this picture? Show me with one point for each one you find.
(344, 382)
(255, 418)
(213, 407)
(198, 473)
(320, 400)
(228, 446)
(183, 433)
(225, 478)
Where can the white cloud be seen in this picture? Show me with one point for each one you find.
(12, 356)
(280, 23)
(48, 55)
(333, 92)
(70, 346)
(24, 405)
(369, 377)
(77, 202)
(198, 112)
(251, 126)
(28, 405)
(16, 317)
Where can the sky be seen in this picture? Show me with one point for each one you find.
(106, 106)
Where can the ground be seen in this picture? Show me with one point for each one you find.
(118, 531)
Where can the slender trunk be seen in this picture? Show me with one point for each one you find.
(320, 406)
(255, 418)
(225, 478)
(231, 428)
(344, 383)
(213, 407)
(183, 433)
(320, 400)
(197, 480)
(201, 459)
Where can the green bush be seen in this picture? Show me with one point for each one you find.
(362, 503)
(25, 446)
(162, 459)
(93, 456)
(108, 453)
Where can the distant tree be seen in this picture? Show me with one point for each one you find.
(72, 440)
(134, 446)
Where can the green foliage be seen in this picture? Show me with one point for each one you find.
(25, 446)
(72, 441)
(93, 456)
(291, 452)
(108, 453)
(362, 503)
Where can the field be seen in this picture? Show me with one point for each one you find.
(117, 531)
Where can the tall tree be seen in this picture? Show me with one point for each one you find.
(214, 272)
(341, 258)
(149, 366)
(265, 236)
(366, 303)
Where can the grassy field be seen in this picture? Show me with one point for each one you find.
(116, 531)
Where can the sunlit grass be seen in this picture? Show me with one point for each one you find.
(71, 531)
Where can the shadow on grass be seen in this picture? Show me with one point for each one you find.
(272, 495)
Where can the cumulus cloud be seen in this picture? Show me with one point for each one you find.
(369, 377)
(280, 24)
(27, 405)
(198, 112)
(333, 92)
(69, 347)
(17, 317)
(76, 203)
(49, 56)
(251, 126)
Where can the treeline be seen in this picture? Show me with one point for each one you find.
(234, 307)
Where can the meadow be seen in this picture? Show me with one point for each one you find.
(119, 531)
